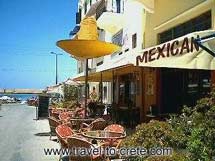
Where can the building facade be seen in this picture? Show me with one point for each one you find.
(138, 24)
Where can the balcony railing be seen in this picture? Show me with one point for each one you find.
(103, 8)
(118, 37)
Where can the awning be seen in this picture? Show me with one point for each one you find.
(117, 61)
(72, 82)
(182, 52)
(111, 22)
(96, 77)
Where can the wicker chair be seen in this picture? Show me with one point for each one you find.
(53, 123)
(114, 128)
(63, 132)
(65, 118)
(77, 142)
(98, 124)
(55, 113)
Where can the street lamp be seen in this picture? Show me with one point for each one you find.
(56, 66)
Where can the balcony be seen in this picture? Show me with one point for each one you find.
(105, 6)
(110, 16)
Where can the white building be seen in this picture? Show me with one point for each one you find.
(114, 26)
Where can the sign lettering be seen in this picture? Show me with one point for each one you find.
(174, 48)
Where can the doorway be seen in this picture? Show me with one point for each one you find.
(172, 90)
(182, 87)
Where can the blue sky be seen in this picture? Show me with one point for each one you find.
(28, 33)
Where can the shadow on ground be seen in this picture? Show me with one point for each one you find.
(43, 134)
(46, 134)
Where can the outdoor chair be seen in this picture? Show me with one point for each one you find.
(78, 142)
(63, 116)
(114, 128)
(63, 132)
(98, 124)
(55, 113)
(53, 123)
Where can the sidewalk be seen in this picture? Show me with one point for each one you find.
(22, 137)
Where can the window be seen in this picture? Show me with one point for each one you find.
(99, 63)
(127, 89)
(202, 22)
(118, 6)
(85, 7)
(78, 17)
(105, 92)
(134, 41)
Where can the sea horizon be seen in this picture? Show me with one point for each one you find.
(22, 97)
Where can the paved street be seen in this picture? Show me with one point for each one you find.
(21, 137)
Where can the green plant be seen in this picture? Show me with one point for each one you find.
(198, 125)
(192, 131)
(177, 156)
(70, 92)
(152, 135)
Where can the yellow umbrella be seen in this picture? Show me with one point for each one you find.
(86, 45)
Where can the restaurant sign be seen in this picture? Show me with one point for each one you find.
(179, 53)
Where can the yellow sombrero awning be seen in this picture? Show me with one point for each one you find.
(87, 48)
(86, 43)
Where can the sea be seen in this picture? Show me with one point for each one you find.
(22, 97)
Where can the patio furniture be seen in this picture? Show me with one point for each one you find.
(113, 111)
(77, 142)
(117, 129)
(78, 121)
(65, 118)
(53, 123)
(102, 135)
(63, 132)
(98, 124)
(55, 112)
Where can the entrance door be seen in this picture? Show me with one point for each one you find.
(182, 87)
(172, 90)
